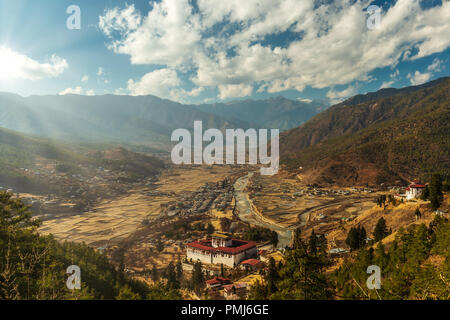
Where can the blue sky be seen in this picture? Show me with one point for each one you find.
(204, 51)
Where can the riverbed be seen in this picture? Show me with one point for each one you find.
(247, 214)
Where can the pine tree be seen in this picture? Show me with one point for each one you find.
(179, 271)
(312, 243)
(172, 281)
(198, 278)
(436, 195)
(380, 231)
(210, 229)
(271, 276)
(155, 274)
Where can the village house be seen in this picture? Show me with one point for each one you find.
(235, 291)
(217, 283)
(221, 249)
(252, 265)
(414, 191)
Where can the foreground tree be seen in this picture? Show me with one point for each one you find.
(436, 195)
(381, 230)
(302, 277)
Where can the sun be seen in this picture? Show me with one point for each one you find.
(9, 62)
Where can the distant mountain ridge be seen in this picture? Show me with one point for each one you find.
(277, 113)
(402, 135)
(146, 120)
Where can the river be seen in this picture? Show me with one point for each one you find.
(245, 213)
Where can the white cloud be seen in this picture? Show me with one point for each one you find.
(305, 100)
(419, 78)
(339, 96)
(235, 91)
(436, 66)
(160, 82)
(387, 84)
(76, 90)
(14, 64)
(194, 92)
(333, 45)
(85, 78)
(122, 21)
(100, 71)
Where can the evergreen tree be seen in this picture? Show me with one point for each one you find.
(356, 238)
(198, 278)
(179, 271)
(155, 274)
(172, 281)
(425, 194)
(126, 293)
(302, 276)
(312, 245)
(436, 195)
(271, 276)
(380, 231)
(274, 238)
(210, 229)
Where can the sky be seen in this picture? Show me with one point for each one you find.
(207, 51)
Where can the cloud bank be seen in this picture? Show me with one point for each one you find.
(229, 45)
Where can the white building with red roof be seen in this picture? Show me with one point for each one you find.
(414, 191)
(219, 249)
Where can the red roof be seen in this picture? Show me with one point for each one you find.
(218, 280)
(239, 246)
(252, 262)
(417, 185)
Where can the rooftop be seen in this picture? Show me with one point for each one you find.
(252, 262)
(238, 246)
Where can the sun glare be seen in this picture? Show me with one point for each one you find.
(8, 63)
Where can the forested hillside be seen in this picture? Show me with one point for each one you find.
(394, 139)
(34, 267)
(20, 154)
(416, 266)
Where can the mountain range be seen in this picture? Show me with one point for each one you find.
(142, 120)
(389, 136)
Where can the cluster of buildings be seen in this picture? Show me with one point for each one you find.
(413, 191)
(221, 249)
(212, 195)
